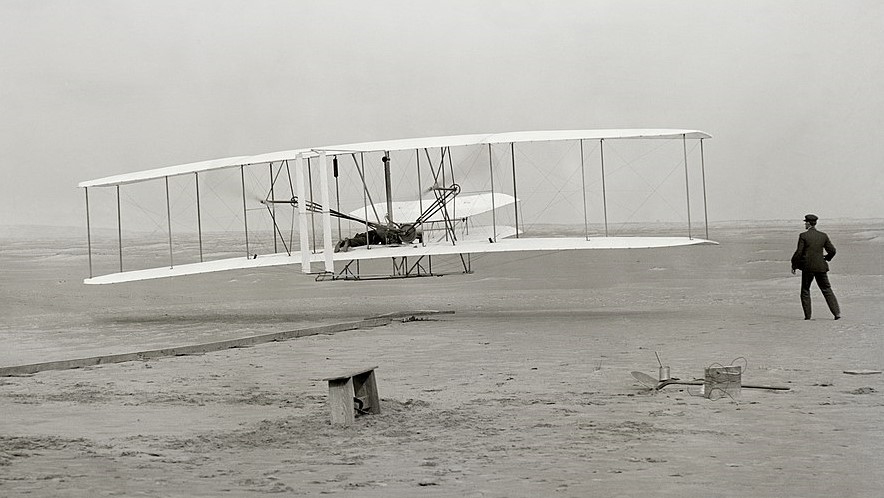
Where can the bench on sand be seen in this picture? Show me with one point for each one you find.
(351, 393)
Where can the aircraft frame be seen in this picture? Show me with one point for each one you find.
(403, 221)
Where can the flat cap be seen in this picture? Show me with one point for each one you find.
(811, 218)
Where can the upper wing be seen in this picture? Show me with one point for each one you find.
(392, 145)
(510, 137)
(140, 176)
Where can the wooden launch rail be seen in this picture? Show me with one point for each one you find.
(195, 349)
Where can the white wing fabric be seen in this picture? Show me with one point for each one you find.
(470, 246)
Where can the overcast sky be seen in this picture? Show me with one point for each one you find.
(790, 90)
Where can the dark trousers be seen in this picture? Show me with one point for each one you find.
(822, 280)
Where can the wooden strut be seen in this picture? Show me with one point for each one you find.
(346, 273)
(328, 247)
(276, 230)
(366, 197)
(337, 193)
(467, 264)
(703, 173)
(273, 210)
(119, 228)
(493, 205)
(453, 182)
(400, 269)
(312, 214)
(271, 199)
(288, 172)
(169, 222)
(388, 186)
(443, 150)
(245, 216)
(420, 190)
(88, 232)
(583, 185)
(604, 190)
(515, 194)
(303, 230)
(417, 267)
(199, 222)
(687, 187)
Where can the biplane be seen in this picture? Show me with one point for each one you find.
(326, 209)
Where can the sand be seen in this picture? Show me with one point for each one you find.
(525, 390)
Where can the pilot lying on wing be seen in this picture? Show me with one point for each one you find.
(392, 234)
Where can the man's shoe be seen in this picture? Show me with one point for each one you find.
(807, 318)
(837, 317)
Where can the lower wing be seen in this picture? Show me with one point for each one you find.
(471, 246)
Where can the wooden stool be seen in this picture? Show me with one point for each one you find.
(357, 386)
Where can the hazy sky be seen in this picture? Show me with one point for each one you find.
(790, 90)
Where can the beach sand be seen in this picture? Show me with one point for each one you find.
(524, 390)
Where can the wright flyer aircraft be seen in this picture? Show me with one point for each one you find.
(332, 210)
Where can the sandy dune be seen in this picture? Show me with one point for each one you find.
(525, 390)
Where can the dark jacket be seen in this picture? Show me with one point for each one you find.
(809, 254)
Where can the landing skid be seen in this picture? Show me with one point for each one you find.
(423, 267)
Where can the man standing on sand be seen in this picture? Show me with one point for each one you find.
(813, 264)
